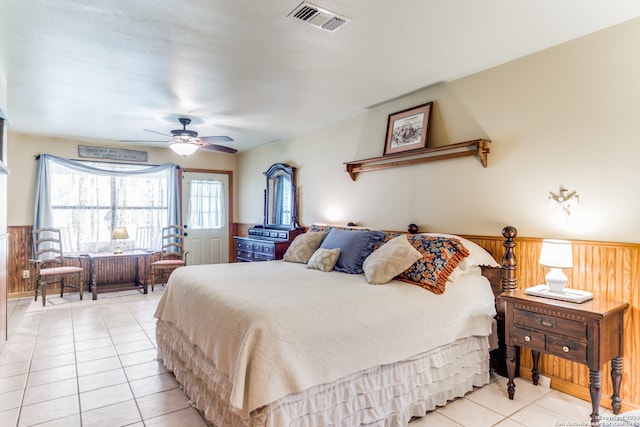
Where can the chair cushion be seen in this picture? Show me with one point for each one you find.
(167, 262)
(59, 270)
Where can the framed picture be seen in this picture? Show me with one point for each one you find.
(408, 130)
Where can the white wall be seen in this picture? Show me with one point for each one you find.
(564, 116)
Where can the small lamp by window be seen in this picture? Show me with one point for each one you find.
(119, 234)
(556, 254)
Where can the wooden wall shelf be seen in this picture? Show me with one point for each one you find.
(477, 147)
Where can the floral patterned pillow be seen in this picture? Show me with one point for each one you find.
(440, 256)
(388, 236)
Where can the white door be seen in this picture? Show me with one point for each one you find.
(205, 216)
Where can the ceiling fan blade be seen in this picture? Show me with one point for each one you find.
(215, 139)
(159, 133)
(215, 147)
(205, 142)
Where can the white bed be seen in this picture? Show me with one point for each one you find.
(278, 344)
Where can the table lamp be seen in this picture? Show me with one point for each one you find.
(556, 254)
(119, 234)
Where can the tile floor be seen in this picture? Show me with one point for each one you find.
(88, 363)
(93, 363)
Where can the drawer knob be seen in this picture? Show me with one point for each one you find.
(527, 338)
(565, 349)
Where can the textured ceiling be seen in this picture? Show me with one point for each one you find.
(109, 70)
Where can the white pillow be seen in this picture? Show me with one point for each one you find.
(470, 265)
(324, 259)
(303, 246)
(389, 260)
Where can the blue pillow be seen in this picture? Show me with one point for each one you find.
(354, 246)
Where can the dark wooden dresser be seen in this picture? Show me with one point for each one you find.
(264, 244)
(589, 333)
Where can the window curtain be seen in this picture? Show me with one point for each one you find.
(94, 184)
(206, 204)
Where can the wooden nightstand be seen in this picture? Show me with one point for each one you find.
(589, 333)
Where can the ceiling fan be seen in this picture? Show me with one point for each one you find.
(186, 141)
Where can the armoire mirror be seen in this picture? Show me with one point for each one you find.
(280, 201)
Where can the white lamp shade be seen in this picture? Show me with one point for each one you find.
(119, 233)
(184, 148)
(556, 254)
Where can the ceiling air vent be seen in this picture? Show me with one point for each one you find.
(318, 17)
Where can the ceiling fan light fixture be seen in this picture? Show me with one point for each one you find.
(186, 142)
(184, 133)
(184, 148)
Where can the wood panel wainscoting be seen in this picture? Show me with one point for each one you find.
(608, 270)
(20, 244)
(19, 255)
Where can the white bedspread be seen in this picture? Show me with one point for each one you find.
(276, 328)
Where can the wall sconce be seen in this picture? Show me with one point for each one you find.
(563, 201)
(334, 215)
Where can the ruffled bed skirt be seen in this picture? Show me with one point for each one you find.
(388, 395)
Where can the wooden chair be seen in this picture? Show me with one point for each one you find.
(172, 255)
(48, 259)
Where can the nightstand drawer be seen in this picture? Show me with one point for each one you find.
(529, 339)
(547, 323)
(567, 348)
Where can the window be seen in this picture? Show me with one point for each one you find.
(206, 204)
(88, 199)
